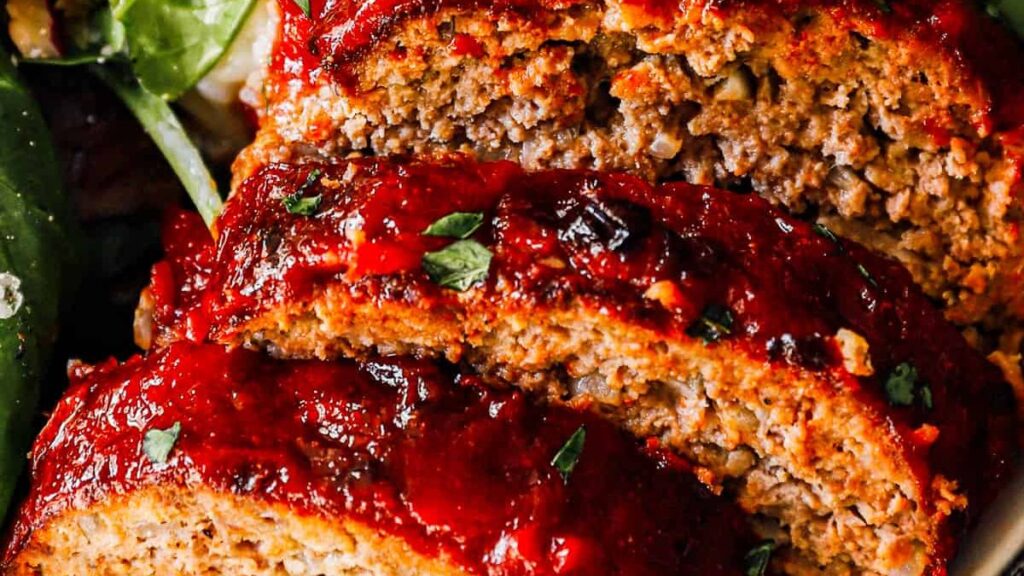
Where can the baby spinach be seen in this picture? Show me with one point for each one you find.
(174, 43)
(34, 262)
(151, 51)
(1009, 11)
(159, 121)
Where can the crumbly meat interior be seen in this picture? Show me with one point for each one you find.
(875, 136)
(816, 467)
(167, 531)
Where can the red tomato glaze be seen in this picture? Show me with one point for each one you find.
(343, 31)
(605, 239)
(408, 447)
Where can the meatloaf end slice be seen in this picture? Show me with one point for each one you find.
(203, 460)
(806, 376)
(895, 123)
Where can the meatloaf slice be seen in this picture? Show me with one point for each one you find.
(806, 376)
(201, 460)
(897, 123)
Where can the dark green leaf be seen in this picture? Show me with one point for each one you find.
(459, 265)
(568, 455)
(899, 386)
(157, 444)
(36, 258)
(159, 121)
(456, 225)
(715, 322)
(757, 559)
(302, 205)
(1010, 12)
(304, 6)
(174, 43)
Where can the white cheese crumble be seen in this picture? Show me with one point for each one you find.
(11, 297)
(856, 356)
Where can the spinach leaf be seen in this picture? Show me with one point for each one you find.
(100, 42)
(1009, 11)
(35, 259)
(163, 127)
(174, 43)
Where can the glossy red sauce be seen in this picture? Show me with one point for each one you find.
(343, 31)
(789, 287)
(408, 447)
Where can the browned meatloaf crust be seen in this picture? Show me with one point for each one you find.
(391, 467)
(805, 375)
(895, 122)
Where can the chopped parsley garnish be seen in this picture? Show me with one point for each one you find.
(823, 231)
(714, 323)
(867, 275)
(456, 225)
(903, 387)
(757, 559)
(459, 265)
(304, 6)
(568, 455)
(899, 386)
(157, 444)
(298, 203)
(926, 397)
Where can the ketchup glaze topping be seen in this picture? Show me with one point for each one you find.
(410, 448)
(659, 257)
(341, 32)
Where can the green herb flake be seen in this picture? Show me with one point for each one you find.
(926, 397)
(757, 559)
(456, 225)
(824, 232)
(884, 6)
(568, 455)
(300, 204)
(866, 275)
(715, 322)
(900, 385)
(459, 265)
(157, 444)
(304, 6)
(297, 204)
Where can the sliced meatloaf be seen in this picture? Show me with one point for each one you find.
(896, 122)
(200, 460)
(806, 376)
